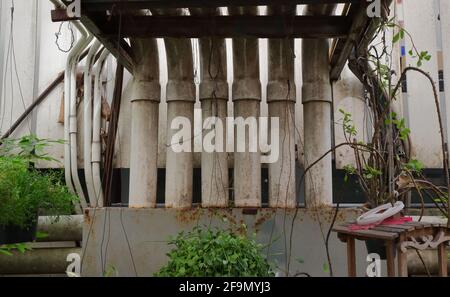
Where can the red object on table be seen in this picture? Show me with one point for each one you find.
(388, 221)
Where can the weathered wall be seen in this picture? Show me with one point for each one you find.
(142, 235)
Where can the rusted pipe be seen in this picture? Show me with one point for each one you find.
(180, 99)
(145, 99)
(281, 97)
(214, 99)
(247, 98)
(317, 108)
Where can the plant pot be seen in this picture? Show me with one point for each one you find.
(15, 234)
(377, 246)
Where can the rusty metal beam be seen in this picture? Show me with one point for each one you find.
(225, 26)
(96, 5)
(116, 46)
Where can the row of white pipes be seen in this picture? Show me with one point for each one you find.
(181, 96)
(92, 117)
(247, 98)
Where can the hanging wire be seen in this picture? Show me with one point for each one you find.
(59, 34)
(11, 60)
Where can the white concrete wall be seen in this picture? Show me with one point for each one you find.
(23, 47)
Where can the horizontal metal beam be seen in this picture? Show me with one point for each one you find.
(116, 46)
(225, 26)
(93, 5)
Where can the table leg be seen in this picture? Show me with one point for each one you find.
(351, 257)
(390, 258)
(442, 260)
(402, 259)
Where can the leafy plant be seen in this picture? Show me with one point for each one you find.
(383, 164)
(207, 253)
(28, 147)
(25, 192)
(8, 249)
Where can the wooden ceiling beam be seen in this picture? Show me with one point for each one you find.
(225, 26)
(96, 5)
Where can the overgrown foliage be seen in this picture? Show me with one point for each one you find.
(384, 166)
(24, 191)
(28, 147)
(208, 253)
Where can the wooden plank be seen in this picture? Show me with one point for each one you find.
(60, 15)
(403, 227)
(366, 233)
(224, 26)
(388, 229)
(390, 259)
(95, 5)
(418, 225)
(351, 257)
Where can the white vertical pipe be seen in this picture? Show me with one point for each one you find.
(317, 108)
(73, 129)
(281, 96)
(146, 96)
(87, 104)
(96, 129)
(214, 99)
(180, 99)
(247, 97)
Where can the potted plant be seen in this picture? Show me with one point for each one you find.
(208, 253)
(25, 192)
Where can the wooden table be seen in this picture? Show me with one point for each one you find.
(411, 235)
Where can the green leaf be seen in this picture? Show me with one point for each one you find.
(41, 235)
(5, 252)
(396, 37)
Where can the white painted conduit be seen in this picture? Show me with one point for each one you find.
(85, 40)
(247, 97)
(70, 150)
(96, 129)
(87, 103)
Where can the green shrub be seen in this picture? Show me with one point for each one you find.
(205, 253)
(25, 192)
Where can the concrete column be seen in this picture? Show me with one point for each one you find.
(214, 99)
(317, 110)
(180, 103)
(145, 99)
(281, 97)
(247, 98)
